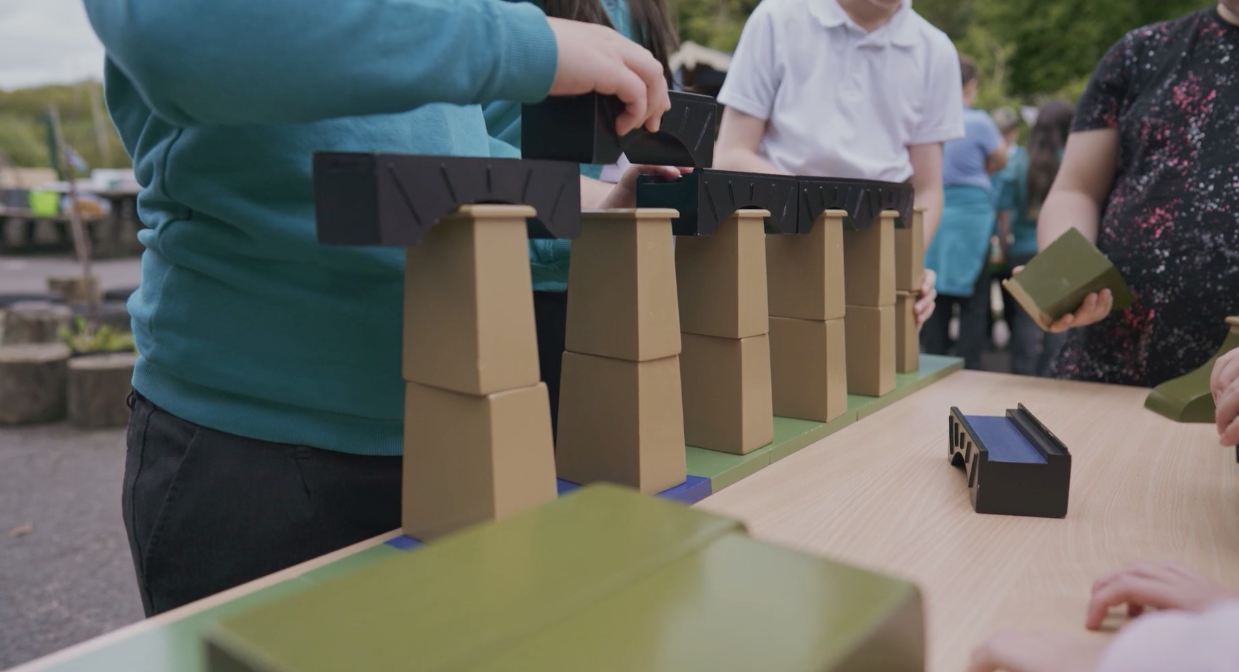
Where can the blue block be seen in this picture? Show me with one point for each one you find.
(1004, 442)
(404, 543)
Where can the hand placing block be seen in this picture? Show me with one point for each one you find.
(621, 422)
(622, 300)
(1187, 398)
(808, 368)
(910, 252)
(1015, 466)
(468, 317)
(870, 350)
(1056, 281)
(722, 278)
(468, 459)
(727, 393)
(805, 272)
(907, 334)
(869, 263)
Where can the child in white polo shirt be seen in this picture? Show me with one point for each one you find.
(844, 88)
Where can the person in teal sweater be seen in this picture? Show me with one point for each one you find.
(646, 22)
(268, 402)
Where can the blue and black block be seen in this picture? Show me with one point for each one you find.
(1014, 465)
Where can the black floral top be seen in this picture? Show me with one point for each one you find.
(1171, 224)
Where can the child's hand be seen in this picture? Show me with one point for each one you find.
(596, 58)
(624, 193)
(1165, 586)
(1095, 308)
(926, 298)
(1224, 384)
(1038, 652)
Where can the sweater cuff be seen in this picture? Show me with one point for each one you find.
(529, 54)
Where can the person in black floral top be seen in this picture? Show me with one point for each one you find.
(1151, 174)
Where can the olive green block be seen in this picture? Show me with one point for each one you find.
(603, 579)
(1055, 282)
(1187, 398)
(350, 563)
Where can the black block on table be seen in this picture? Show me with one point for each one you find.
(706, 197)
(1014, 465)
(582, 129)
(394, 199)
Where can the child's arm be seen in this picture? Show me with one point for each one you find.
(739, 136)
(1165, 586)
(748, 95)
(1224, 383)
(287, 61)
(1081, 186)
(1176, 640)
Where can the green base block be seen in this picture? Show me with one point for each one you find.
(1187, 398)
(790, 435)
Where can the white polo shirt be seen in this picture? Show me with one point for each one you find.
(840, 102)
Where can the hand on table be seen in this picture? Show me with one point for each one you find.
(1095, 308)
(1224, 384)
(1165, 586)
(624, 193)
(926, 297)
(596, 58)
(1038, 652)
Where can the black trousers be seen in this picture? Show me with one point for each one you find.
(206, 511)
(550, 310)
(973, 320)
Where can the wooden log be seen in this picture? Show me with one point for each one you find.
(75, 288)
(97, 388)
(34, 322)
(32, 382)
(113, 314)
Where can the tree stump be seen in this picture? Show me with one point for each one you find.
(97, 388)
(32, 382)
(75, 288)
(34, 322)
(113, 314)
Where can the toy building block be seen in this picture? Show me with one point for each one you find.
(705, 198)
(526, 593)
(869, 263)
(898, 197)
(805, 272)
(468, 317)
(1015, 466)
(469, 459)
(819, 194)
(1056, 281)
(722, 279)
(870, 350)
(621, 422)
(907, 334)
(910, 252)
(582, 129)
(808, 368)
(623, 301)
(394, 199)
(1187, 398)
(727, 393)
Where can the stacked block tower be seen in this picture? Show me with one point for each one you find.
(776, 297)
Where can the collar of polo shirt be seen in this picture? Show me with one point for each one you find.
(899, 31)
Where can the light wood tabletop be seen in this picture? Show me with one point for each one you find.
(881, 494)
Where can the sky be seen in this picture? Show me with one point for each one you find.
(46, 42)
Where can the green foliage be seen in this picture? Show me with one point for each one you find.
(712, 23)
(104, 339)
(23, 125)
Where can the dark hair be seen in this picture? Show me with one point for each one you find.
(1045, 147)
(651, 22)
(968, 69)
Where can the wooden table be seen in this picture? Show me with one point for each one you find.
(881, 494)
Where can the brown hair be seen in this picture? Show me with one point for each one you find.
(968, 69)
(1045, 148)
(651, 23)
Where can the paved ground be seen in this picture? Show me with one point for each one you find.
(65, 571)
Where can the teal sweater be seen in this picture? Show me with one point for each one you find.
(243, 322)
(548, 258)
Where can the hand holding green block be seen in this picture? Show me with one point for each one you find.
(1059, 279)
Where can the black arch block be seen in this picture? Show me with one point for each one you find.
(706, 197)
(1015, 466)
(394, 199)
(818, 194)
(582, 129)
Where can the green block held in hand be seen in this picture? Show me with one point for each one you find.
(1187, 398)
(1058, 279)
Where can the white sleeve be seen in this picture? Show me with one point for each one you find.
(1176, 640)
(753, 77)
(944, 110)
